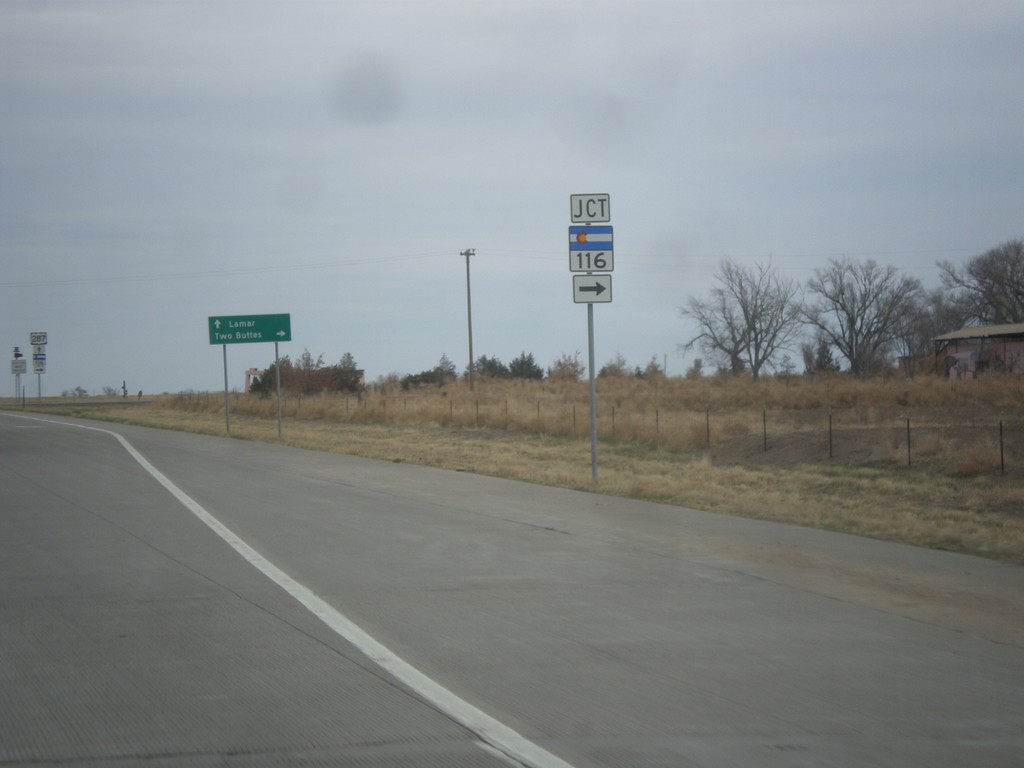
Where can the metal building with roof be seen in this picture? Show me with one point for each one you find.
(971, 351)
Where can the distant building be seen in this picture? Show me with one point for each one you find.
(966, 353)
(250, 374)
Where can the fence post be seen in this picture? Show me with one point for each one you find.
(764, 428)
(908, 442)
(707, 423)
(1002, 462)
(830, 434)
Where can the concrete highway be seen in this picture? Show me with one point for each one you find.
(170, 599)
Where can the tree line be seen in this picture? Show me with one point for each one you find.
(855, 312)
(311, 375)
(566, 367)
(865, 312)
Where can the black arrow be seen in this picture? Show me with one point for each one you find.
(596, 288)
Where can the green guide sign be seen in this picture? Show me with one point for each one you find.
(250, 329)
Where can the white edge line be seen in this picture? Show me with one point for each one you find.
(490, 730)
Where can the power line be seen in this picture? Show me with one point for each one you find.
(637, 257)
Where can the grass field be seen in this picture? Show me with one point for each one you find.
(761, 450)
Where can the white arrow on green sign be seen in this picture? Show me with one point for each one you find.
(250, 329)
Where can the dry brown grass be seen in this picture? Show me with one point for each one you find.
(654, 445)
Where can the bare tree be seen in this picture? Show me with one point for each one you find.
(616, 367)
(309, 364)
(817, 355)
(932, 314)
(751, 315)
(567, 368)
(860, 309)
(991, 286)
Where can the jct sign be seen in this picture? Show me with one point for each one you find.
(589, 209)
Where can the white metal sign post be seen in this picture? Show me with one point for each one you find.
(591, 249)
(39, 367)
(38, 340)
(18, 367)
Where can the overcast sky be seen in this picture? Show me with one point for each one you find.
(162, 162)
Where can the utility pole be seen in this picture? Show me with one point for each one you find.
(469, 312)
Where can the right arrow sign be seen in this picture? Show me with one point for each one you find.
(592, 289)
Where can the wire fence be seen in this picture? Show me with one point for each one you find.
(966, 441)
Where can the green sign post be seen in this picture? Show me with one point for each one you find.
(250, 329)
